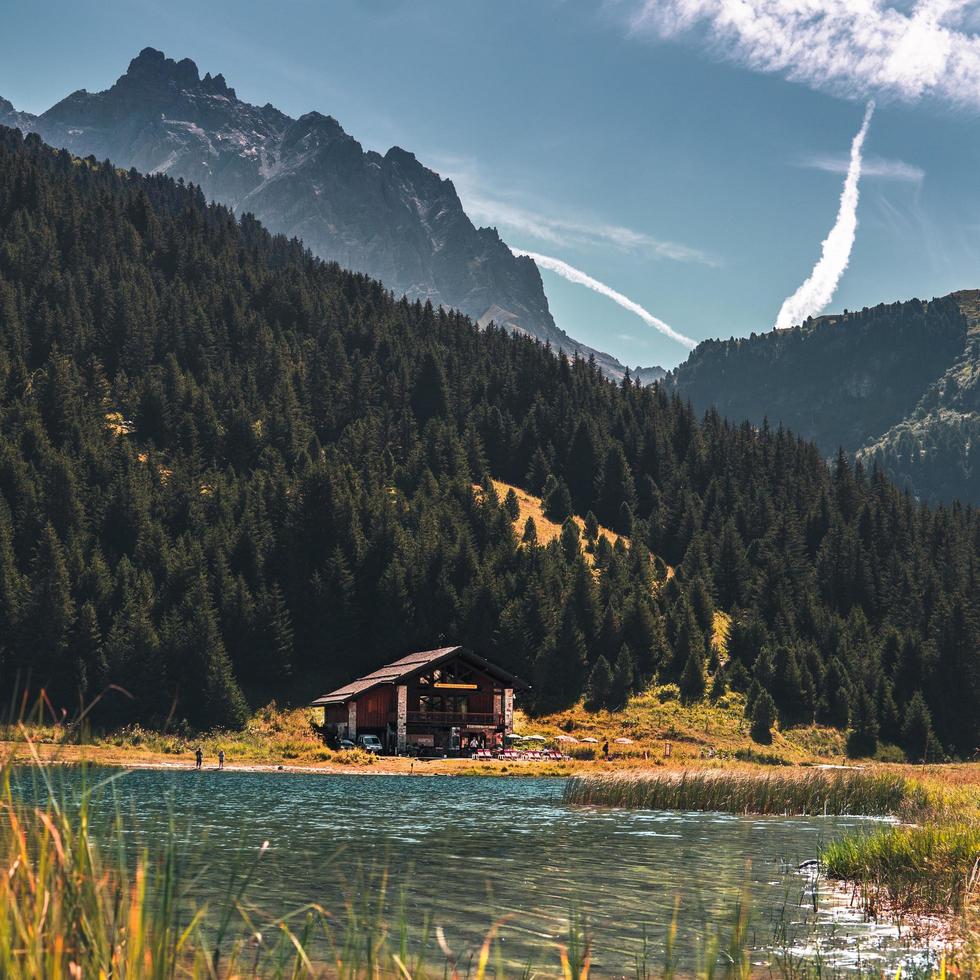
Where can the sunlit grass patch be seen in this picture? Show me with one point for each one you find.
(932, 868)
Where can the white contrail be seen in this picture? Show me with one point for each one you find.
(572, 274)
(819, 289)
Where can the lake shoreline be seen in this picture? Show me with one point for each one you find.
(141, 757)
(100, 755)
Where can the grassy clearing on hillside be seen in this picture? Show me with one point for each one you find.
(810, 791)
(547, 529)
(656, 716)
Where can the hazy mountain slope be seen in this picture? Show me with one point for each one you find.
(388, 216)
(897, 382)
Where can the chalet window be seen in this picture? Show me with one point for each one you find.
(453, 676)
(455, 703)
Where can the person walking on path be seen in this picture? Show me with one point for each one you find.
(198, 757)
(221, 758)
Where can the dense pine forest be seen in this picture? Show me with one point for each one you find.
(229, 471)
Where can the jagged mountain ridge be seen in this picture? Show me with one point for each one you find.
(387, 215)
(897, 385)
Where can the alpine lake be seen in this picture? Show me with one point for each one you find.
(447, 857)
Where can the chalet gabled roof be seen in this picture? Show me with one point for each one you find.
(401, 670)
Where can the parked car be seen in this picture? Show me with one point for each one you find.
(370, 743)
(346, 743)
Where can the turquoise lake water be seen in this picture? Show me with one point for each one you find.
(464, 851)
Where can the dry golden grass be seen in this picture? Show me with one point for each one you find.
(118, 425)
(719, 633)
(548, 530)
(272, 737)
(717, 730)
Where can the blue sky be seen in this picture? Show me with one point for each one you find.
(640, 151)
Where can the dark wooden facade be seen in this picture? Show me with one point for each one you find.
(432, 699)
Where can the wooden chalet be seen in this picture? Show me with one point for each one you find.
(429, 700)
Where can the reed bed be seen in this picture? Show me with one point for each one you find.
(929, 869)
(813, 791)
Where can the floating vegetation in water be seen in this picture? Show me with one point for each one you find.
(813, 791)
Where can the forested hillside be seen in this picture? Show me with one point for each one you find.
(896, 384)
(230, 471)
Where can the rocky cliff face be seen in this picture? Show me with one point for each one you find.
(935, 450)
(897, 385)
(387, 216)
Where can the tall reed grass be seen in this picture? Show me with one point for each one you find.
(927, 869)
(812, 791)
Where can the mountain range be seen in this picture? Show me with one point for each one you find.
(387, 216)
(897, 385)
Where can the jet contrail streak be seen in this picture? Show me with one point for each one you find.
(572, 274)
(819, 289)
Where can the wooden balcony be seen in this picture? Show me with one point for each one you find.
(454, 718)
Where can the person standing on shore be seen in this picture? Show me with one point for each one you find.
(198, 757)
(221, 758)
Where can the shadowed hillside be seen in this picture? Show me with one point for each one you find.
(896, 385)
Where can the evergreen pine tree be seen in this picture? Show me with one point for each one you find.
(917, 737)
(834, 705)
(558, 503)
(570, 539)
(692, 680)
(717, 685)
(430, 397)
(889, 722)
(530, 535)
(53, 616)
(863, 737)
(511, 504)
(622, 678)
(762, 716)
(591, 530)
(599, 685)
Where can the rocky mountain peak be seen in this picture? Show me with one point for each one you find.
(153, 67)
(322, 124)
(152, 70)
(389, 216)
(398, 155)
